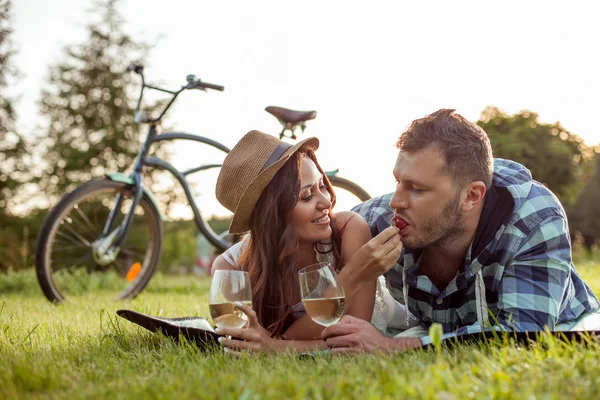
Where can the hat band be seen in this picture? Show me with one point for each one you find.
(276, 155)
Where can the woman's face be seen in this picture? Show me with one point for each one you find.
(310, 215)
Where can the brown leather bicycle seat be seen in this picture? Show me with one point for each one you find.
(290, 116)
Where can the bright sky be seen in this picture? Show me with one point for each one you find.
(368, 68)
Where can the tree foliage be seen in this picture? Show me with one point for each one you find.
(13, 149)
(14, 234)
(89, 103)
(553, 155)
(584, 216)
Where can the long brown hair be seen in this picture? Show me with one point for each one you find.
(270, 256)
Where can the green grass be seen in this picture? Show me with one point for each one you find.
(83, 350)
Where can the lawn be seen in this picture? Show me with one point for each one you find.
(83, 350)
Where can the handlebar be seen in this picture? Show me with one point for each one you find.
(213, 87)
(193, 83)
(198, 84)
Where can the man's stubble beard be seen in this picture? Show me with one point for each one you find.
(443, 228)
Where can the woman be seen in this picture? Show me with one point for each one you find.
(279, 193)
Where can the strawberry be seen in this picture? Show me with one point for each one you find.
(399, 222)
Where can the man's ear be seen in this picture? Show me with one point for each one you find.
(474, 194)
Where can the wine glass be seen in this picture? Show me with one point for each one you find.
(227, 287)
(322, 293)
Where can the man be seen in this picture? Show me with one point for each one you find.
(477, 236)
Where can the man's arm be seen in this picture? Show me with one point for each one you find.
(354, 335)
(532, 289)
(534, 284)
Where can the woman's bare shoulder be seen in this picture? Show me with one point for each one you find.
(221, 263)
(349, 220)
(355, 233)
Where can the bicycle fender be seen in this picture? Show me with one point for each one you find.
(119, 177)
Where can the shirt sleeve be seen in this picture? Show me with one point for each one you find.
(534, 284)
(232, 254)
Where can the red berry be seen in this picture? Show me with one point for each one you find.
(399, 222)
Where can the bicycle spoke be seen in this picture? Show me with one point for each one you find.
(64, 239)
(84, 240)
(132, 253)
(61, 265)
(70, 247)
(71, 239)
(119, 267)
(92, 228)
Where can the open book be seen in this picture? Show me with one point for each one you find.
(194, 329)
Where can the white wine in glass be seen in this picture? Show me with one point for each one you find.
(322, 294)
(227, 287)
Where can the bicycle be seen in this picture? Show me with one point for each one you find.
(107, 234)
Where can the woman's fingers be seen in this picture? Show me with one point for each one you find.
(390, 243)
(233, 344)
(250, 313)
(386, 234)
(239, 333)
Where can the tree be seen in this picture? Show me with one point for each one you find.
(13, 149)
(552, 154)
(13, 156)
(89, 105)
(584, 216)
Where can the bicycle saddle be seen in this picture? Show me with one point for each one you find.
(286, 116)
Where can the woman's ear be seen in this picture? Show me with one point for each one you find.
(474, 195)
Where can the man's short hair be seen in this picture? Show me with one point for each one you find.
(465, 145)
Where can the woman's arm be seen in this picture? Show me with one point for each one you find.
(355, 236)
(227, 260)
(220, 263)
(355, 233)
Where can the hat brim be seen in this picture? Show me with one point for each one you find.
(241, 217)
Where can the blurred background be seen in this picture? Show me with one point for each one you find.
(526, 72)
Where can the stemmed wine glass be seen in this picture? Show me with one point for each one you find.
(227, 287)
(322, 293)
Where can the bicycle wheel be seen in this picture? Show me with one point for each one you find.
(348, 193)
(67, 262)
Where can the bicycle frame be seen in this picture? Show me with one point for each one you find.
(106, 247)
(135, 179)
(156, 162)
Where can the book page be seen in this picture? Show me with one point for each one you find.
(198, 323)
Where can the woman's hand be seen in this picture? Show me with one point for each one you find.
(253, 338)
(373, 259)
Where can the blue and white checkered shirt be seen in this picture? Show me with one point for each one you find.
(530, 280)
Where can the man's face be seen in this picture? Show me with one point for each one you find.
(427, 199)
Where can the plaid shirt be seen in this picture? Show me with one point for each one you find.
(530, 280)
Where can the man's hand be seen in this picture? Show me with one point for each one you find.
(354, 335)
(373, 259)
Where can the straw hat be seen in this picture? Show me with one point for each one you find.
(248, 169)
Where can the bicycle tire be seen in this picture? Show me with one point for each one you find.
(350, 186)
(54, 282)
